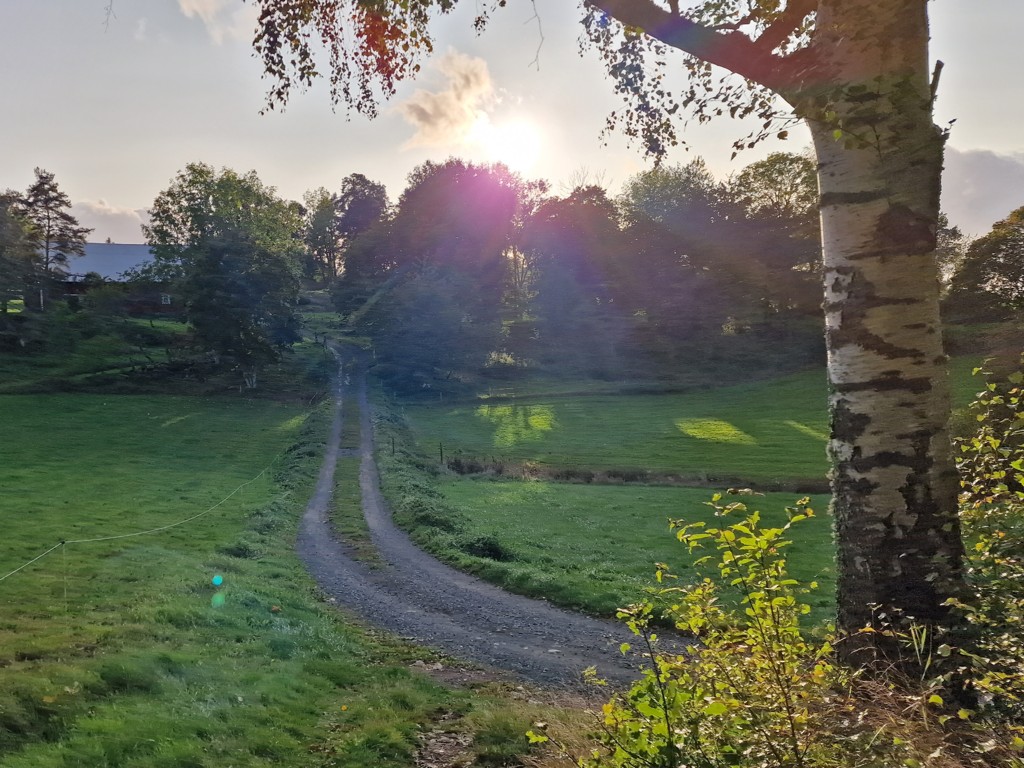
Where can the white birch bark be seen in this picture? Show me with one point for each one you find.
(893, 481)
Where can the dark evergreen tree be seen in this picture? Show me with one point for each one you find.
(56, 235)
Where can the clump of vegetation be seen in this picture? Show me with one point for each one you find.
(757, 690)
(409, 484)
(991, 646)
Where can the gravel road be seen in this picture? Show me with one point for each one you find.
(420, 599)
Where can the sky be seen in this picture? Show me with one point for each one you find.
(115, 105)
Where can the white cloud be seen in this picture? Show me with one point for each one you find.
(224, 19)
(122, 225)
(447, 116)
(980, 187)
(140, 30)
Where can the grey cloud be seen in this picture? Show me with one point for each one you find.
(980, 187)
(122, 225)
(445, 117)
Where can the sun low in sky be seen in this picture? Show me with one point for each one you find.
(467, 115)
(516, 142)
(163, 84)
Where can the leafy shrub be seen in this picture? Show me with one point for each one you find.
(754, 691)
(990, 644)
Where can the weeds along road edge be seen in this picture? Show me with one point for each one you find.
(419, 598)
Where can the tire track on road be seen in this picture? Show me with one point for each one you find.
(421, 599)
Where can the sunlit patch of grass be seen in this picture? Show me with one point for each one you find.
(715, 430)
(803, 429)
(516, 424)
(290, 424)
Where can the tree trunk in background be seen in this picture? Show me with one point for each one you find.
(894, 484)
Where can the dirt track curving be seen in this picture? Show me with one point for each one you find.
(421, 599)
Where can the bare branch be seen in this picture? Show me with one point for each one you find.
(540, 32)
(936, 74)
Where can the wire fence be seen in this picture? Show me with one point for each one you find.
(65, 542)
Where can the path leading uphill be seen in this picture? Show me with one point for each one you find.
(419, 598)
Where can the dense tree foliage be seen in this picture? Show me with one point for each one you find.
(16, 250)
(232, 248)
(578, 284)
(988, 283)
(334, 222)
(450, 236)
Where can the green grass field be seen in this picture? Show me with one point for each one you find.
(126, 652)
(768, 431)
(594, 547)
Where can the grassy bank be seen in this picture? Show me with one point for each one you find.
(132, 652)
(595, 547)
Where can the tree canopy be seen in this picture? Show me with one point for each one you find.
(16, 251)
(232, 248)
(55, 235)
(988, 282)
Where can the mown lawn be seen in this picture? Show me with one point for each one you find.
(200, 645)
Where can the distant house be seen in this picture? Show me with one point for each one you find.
(111, 261)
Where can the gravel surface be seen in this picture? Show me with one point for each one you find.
(422, 600)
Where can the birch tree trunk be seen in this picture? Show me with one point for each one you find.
(880, 160)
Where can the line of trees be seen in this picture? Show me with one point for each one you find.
(475, 267)
(475, 270)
